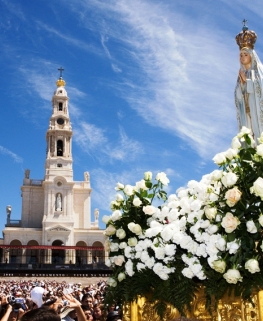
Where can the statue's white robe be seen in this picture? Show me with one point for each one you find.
(252, 87)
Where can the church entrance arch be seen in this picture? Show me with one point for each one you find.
(98, 255)
(32, 256)
(58, 256)
(81, 255)
(15, 255)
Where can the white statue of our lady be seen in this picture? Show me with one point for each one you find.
(248, 92)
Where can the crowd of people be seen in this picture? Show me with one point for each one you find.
(37, 300)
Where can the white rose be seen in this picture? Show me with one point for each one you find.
(257, 188)
(128, 190)
(260, 220)
(219, 266)
(116, 215)
(123, 245)
(120, 233)
(232, 196)
(105, 219)
(107, 244)
(114, 247)
(141, 185)
(112, 282)
(162, 178)
(212, 229)
(235, 143)
(231, 153)
(210, 212)
(121, 276)
(221, 244)
(204, 224)
(251, 227)
(244, 130)
(252, 266)
(149, 209)
(136, 229)
(132, 241)
(119, 187)
(217, 175)
(148, 176)
(233, 246)
(114, 205)
(136, 202)
(108, 262)
(187, 272)
(232, 276)
(229, 179)
(219, 158)
(119, 198)
(260, 150)
(230, 222)
(129, 268)
(131, 225)
(118, 260)
(110, 230)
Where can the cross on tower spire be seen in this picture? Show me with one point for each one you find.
(61, 70)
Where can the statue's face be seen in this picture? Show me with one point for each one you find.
(245, 58)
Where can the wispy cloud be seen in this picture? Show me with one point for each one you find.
(15, 9)
(114, 66)
(71, 40)
(7, 152)
(125, 149)
(89, 137)
(93, 140)
(182, 70)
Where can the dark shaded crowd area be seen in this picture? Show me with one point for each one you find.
(40, 300)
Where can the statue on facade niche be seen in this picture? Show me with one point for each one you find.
(96, 214)
(8, 210)
(86, 176)
(27, 173)
(248, 92)
(59, 203)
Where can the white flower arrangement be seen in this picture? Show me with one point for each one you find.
(209, 232)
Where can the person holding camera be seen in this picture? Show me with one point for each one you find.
(10, 310)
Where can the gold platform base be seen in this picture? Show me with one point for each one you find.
(230, 308)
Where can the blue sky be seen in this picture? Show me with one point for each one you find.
(150, 84)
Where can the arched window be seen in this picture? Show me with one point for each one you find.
(60, 106)
(59, 148)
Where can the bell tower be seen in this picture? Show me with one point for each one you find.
(59, 136)
(66, 202)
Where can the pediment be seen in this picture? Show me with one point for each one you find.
(58, 228)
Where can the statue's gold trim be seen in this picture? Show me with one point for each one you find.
(229, 308)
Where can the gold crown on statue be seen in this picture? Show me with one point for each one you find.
(246, 38)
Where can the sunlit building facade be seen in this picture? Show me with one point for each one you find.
(55, 225)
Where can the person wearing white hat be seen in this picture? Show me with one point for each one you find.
(37, 295)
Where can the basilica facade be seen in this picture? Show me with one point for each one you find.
(55, 225)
